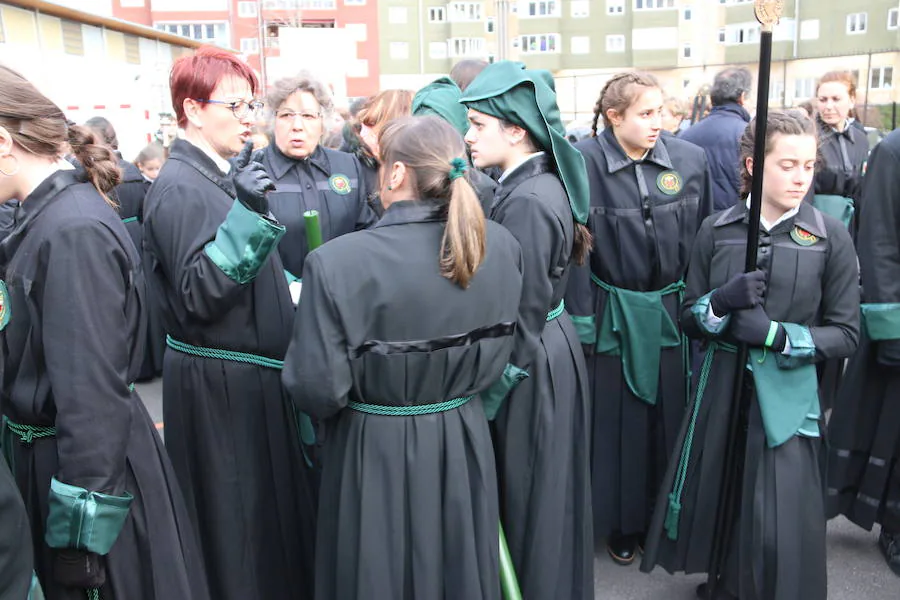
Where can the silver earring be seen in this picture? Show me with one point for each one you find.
(16, 170)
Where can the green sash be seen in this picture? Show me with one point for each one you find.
(839, 207)
(882, 321)
(788, 398)
(636, 326)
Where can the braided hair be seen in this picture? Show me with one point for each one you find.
(619, 93)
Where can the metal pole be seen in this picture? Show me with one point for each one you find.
(767, 13)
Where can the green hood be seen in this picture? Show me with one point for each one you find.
(441, 98)
(527, 98)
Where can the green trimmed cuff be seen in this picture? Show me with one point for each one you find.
(84, 520)
(243, 243)
(586, 327)
(493, 397)
(700, 310)
(802, 347)
(882, 321)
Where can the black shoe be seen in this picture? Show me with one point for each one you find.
(721, 593)
(622, 548)
(889, 544)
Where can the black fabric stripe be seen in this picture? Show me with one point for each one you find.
(450, 341)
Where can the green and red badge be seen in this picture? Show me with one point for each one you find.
(340, 184)
(803, 237)
(669, 182)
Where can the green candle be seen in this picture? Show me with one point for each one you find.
(313, 229)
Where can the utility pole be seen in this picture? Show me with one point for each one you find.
(502, 29)
(261, 41)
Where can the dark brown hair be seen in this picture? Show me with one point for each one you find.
(780, 122)
(153, 151)
(845, 77)
(39, 127)
(427, 145)
(465, 71)
(619, 93)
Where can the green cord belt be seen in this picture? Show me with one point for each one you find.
(674, 508)
(241, 357)
(29, 433)
(676, 286)
(408, 411)
(556, 311)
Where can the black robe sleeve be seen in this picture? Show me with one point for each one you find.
(86, 346)
(697, 281)
(838, 333)
(367, 215)
(879, 228)
(317, 366)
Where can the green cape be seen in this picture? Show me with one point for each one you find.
(441, 98)
(527, 98)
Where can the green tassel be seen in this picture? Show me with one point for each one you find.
(672, 515)
(93, 594)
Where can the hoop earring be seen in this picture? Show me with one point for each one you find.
(16, 170)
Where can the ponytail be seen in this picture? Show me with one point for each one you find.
(463, 243)
(99, 162)
(584, 241)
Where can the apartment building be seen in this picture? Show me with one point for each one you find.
(684, 42)
(336, 39)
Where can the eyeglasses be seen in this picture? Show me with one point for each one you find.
(289, 116)
(240, 108)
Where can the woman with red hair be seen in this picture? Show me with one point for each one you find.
(210, 244)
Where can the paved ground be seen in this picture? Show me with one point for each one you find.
(856, 570)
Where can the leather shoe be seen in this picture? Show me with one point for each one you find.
(889, 544)
(622, 548)
(721, 593)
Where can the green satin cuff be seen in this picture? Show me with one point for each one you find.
(493, 397)
(839, 207)
(243, 243)
(700, 310)
(882, 321)
(84, 520)
(586, 327)
(803, 348)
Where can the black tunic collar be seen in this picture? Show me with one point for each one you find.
(532, 167)
(807, 218)
(411, 211)
(617, 159)
(826, 131)
(281, 164)
(186, 152)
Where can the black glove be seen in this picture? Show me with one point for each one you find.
(888, 353)
(251, 182)
(752, 328)
(78, 568)
(741, 292)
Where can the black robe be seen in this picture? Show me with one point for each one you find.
(778, 545)
(16, 551)
(542, 436)
(411, 507)
(643, 235)
(229, 427)
(72, 346)
(864, 460)
(315, 183)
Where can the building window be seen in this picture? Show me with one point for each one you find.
(685, 51)
(581, 9)
(881, 78)
(250, 45)
(615, 43)
(318, 4)
(653, 4)
(354, 2)
(437, 50)
(805, 88)
(581, 44)
(132, 49)
(686, 14)
(213, 33)
(437, 14)
(615, 7)
(465, 11)
(740, 33)
(73, 38)
(490, 24)
(246, 9)
(893, 18)
(856, 23)
(399, 50)
(540, 43)
(465, 47)
(776, 91)
(539, 8)
(397, 15)
(809, 29)
(722, 35)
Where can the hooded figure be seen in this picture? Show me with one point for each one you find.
(540, 405)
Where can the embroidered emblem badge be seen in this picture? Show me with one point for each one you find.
(803, 237)
(4, 305)
(669, 182)
(340, 184)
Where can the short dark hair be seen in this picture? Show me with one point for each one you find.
(730, 84)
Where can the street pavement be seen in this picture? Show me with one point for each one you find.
(856, 570)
